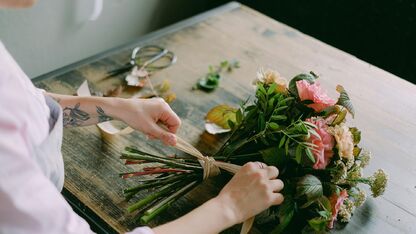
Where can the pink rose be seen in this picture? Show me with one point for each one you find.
(324, 145)
(336, 202)
(314, 93)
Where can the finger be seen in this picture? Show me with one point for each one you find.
(261, 165)
(161, 134)
(150, 137)
(170, 119)
(277, 185)
(277, 199)
(272, 172)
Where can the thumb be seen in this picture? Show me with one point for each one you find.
(162, 134)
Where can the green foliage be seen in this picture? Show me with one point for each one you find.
(344, 100)
(286, 213)
(212, 79)
(356, 135)
(340, 117)
(318, 224)
(274, 156)
(274, 128)
(309, 186)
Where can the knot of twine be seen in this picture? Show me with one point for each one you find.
(208, 164)
(212, 168)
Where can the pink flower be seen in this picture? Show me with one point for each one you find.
(314, 93)
(324, 145)
(336, 202)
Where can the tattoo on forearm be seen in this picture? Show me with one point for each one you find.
(74, 116)
(102, 117)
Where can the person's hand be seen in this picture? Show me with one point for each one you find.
(253, 189)
(146, 114)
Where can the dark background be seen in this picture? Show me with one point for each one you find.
(381, 32)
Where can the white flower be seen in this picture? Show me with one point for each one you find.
(269, 77)
(343, 137)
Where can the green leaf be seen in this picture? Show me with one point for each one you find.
(292, 84)
(340, 117)
(273, 126)
(271, 89)
(324, 214)
(313, 132)
(278, 117)
(310, 145)
(280, 108)
(356, 151)
(209, 82)
(231, 124)
(310, 124)
(274, 156)
(325, 203)
(318, 224)
(284, 101)
(298, 153)
(344, 100)
(286, 213)
(270, 106)
(287, 147)
(310, 186)
(309, 154)
(262, 89)
(239, 116)
(221, 114)
(356, 135)
(261, 122)
(282, 141)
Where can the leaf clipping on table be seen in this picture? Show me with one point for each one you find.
(344, 100)
(221, 116)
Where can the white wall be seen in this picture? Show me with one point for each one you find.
(55, 33)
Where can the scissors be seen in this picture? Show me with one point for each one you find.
(149, 58)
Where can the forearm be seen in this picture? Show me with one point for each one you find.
(82, 111)
(211, 217)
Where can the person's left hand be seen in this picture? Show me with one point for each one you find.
(145, 115)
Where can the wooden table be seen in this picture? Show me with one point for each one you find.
(385, 105)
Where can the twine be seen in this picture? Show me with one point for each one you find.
(212, 168)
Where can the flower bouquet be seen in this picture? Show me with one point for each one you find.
(296, 127)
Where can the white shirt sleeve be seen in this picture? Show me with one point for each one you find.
(29, 202)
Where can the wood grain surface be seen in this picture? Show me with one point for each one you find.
(385, 106)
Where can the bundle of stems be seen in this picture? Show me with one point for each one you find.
(169, 180)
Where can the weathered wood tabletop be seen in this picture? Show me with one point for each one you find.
(385, 105)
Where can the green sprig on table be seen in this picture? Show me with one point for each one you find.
(212, 79)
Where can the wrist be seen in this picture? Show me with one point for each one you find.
(116, 107)
(226, 212)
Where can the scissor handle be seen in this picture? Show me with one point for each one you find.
(163, 52)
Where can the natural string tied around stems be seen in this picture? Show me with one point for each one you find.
(212, 168)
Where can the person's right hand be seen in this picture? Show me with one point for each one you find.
(253, 189)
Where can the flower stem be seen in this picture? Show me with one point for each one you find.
(170, 162)
(164, 190)
(130, 192)
(151, 172)
(166, 203)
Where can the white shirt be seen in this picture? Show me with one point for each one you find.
(29, 202)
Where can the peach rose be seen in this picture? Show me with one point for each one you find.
(343, 137)
(324, 145)
(314, 93)
(269, 77)
(336, 202)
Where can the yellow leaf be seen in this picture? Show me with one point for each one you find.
(221, 114)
